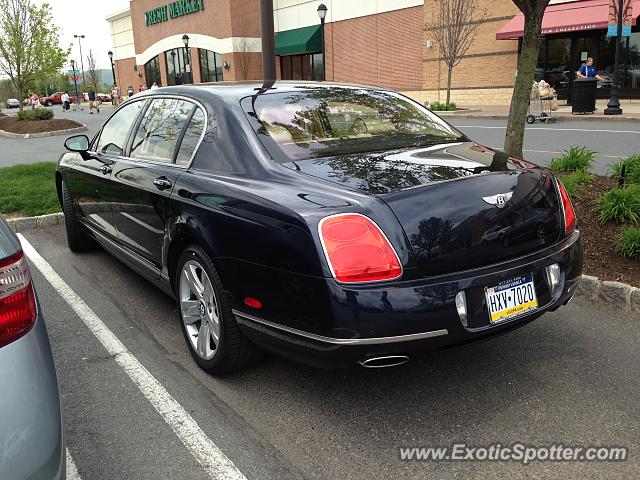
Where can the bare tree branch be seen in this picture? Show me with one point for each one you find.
(244, 55)
(454, 26)
(92, 72)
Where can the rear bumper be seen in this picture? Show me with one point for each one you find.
(411, 318)
(31, 435)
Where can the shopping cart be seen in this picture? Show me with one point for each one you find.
(541, 107)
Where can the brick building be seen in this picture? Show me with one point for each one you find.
(378, 42)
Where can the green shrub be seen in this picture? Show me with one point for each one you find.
(629, 243)
(621, 205)
(37, 114)
(632, 171)
(573, 159)
(442, 107)
(573, 183)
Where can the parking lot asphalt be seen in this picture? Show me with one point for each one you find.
(16, 151)
(570, 377)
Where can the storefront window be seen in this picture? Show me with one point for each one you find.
(178, 69)
(301, 67)
(210, 66)
(152, 72)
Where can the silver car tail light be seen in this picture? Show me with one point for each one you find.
(17, 299)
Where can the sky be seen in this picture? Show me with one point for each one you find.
(87, 18)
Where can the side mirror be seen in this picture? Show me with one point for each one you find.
(77, 143)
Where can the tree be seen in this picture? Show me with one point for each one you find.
(29, 44)
(244, 55)
(93, 73)
(454, 26)
(533, 11)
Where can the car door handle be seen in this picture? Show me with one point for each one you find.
(162, 183)
(106, 169)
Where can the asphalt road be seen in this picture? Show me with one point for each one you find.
(48, 149)
(612, 140)
(571, 377)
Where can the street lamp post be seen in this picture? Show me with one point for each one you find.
(322, 13)
(75, 81)
(185, 40)
(113, 70)
(80, 37)
(613, 107)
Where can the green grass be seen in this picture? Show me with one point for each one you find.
(573, 160)
(621, 205)
(629, 243)
(442, 107)
(28, 190)
(576, 181)
(632, 171)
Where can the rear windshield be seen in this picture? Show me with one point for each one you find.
(338, 121)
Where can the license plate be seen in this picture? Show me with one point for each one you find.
(511, 298)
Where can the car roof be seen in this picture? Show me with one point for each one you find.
(240, 90)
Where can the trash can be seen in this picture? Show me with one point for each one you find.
(584, 95)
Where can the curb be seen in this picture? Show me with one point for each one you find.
(68, 131)
(616, 293)
(31, 223)
(592, 288)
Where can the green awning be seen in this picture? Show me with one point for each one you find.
(299, 40)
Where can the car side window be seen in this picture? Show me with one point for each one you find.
(160, 129)
(191, 138)
(114, 134)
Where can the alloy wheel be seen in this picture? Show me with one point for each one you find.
(200, 310)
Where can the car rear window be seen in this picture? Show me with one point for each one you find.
(336, 121)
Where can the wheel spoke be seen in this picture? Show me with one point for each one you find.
(203, 340)
(192, 279)
(190, 311)
(214, 327)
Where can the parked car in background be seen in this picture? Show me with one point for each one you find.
(103, 97)
(12, 103)
(335, 225)
(31, 437)
(56, 98)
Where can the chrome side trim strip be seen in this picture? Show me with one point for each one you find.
(342, 341)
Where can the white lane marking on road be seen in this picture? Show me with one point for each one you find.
(208, 455)
(557, 151)
(72, 471)
(549, 128)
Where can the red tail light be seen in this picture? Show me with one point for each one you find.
(17, 300)
(567, 209)
(357, 250)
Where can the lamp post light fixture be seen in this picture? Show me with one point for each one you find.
(80, 37)
(322, 14)
(75, 81)
(113, 70)
(613, 107)
(187, 65)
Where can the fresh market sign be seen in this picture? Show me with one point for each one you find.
(172, 10)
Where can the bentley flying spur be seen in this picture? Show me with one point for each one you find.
(331, 224)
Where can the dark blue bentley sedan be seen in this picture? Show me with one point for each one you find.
(332, 224)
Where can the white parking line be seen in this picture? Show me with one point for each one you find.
(72, 471)
(208, 455)
(487, 127)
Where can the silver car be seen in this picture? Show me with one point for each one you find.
(31, 438)
(12, 103)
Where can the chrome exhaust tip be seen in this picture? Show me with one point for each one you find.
(384, 362)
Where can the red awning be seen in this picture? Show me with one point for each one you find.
(567, 17)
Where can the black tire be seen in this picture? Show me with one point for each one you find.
(234, 350)
(77, 238)
(531, 119)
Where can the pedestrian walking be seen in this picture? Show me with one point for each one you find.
(113, 97)
(142, 88)
(66, 101)
(130, 91)
(118, 96)
(92, 101)
(34, 99)
(154, 86)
